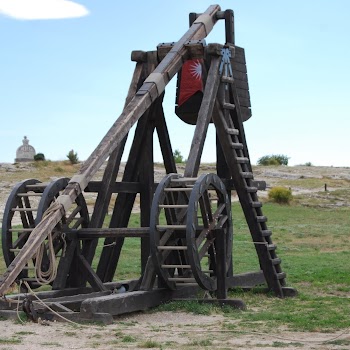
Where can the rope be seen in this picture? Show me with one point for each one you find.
(46, 277)
(41, 302)
(109, 245)
(18, 302)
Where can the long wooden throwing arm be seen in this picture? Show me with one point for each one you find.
(153, 86)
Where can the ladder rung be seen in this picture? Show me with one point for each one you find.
(227, 105)
(175, 206)
(237, 146)
(251, 189)
(185, 179)
(171, 247)
(37, 185)
(176, 266)
(256, 204)
(241, 160)
(28, 267)
(226, 79)
(20, 230)
(247, 174)
(280, 275)
(15, 250)
(261, 218)
(177, 189)
(24, 209)
(266, 233)
(276, 261)
(26, 194)
(182, 279)
(271, 247)
(207, 271)
(172, 227)
(232, 131)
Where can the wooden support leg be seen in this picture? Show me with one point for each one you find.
(65, 264)
(220, 246)
(164, 141)
(146, 195)
(223, 172)
(204, 116)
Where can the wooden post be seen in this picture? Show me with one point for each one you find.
(204, 116)
(220, 246)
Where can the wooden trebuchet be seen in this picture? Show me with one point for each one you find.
(152, 88)
(186, 226)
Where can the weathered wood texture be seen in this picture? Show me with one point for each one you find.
(204, 117)
(239, 70)
(131, 113)
(117, 304)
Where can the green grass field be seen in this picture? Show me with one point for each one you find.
(314, 244)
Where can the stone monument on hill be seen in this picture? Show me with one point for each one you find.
(26, 152)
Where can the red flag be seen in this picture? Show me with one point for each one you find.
(191, 80)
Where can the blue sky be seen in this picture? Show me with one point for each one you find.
(63, 82)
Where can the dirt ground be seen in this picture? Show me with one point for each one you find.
(169, 330)
(160, 330)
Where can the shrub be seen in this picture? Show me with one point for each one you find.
(39, 157)
(73, 157)
(280, 195)
(178, 156)
(273, 159)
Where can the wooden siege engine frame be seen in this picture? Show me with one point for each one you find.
(186, 224)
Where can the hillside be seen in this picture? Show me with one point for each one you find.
(306, 182)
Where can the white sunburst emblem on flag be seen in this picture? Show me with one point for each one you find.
(196, 69)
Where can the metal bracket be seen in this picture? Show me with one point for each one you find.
(226, 62)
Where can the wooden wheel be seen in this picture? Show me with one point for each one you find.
(24, 209)
(19, 218)
(208, 215)
(186, 217)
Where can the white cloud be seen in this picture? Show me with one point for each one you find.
(42, 9)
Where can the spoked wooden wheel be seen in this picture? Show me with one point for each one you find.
(24, 209)
(187, 215)
(19, 218)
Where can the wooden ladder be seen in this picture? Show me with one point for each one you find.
(229, 125)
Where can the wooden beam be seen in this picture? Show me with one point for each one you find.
(89, 233)
(204, 117)
(117, 187)
(118, 304)
(165, 144)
